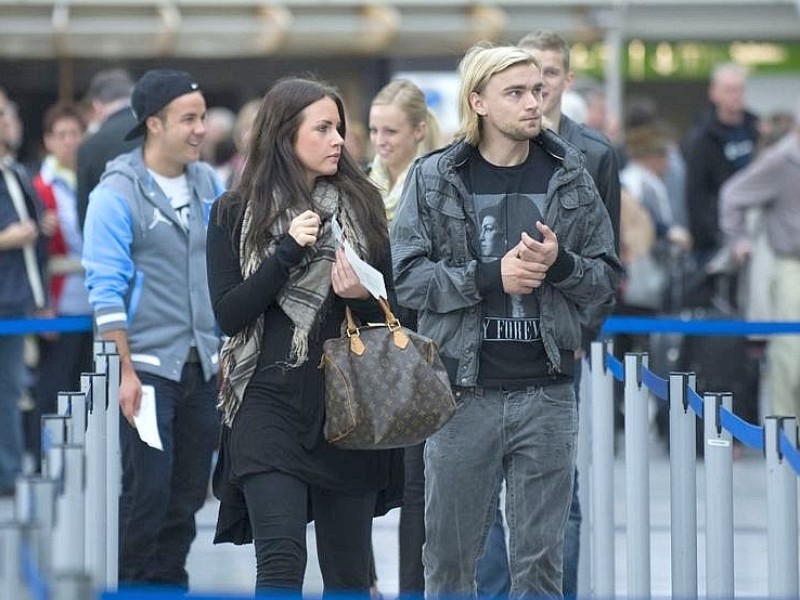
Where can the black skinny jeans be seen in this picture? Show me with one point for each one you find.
(412, 523)
(162, 491)
(277, 505)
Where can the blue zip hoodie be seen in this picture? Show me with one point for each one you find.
(145, 273)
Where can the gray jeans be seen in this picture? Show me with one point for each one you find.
(529, 437)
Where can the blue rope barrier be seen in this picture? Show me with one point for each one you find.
(612, 325)
(747, 433)
(177, 594)
(47, 441)
(615, 366)
(790, 452)
(655, 384)
(727, 327)
(45, 325)
(156, 593)
(695, 401)
(37, 587)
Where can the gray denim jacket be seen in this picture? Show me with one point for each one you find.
(435, 255)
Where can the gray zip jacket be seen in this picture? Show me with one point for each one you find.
(435, 255)
(145, 273)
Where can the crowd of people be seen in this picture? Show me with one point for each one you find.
(203, 243)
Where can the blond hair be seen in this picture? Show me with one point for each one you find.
(545, 40)
(479, 65)
(404, 94)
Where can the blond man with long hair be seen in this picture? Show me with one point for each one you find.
(506, 318)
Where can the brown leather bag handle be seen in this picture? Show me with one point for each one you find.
(392, 322)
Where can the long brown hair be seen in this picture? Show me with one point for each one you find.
(273, 180)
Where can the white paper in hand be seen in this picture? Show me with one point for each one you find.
(370, 277)
(145, 420)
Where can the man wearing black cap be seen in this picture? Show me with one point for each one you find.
(145, 261)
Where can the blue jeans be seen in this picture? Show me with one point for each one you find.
(12, 378)
(162, 491)
(493, 578)
(572, 544)
(526, 436)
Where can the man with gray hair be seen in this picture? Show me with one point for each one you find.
(506, 320)
(720, 144)
(110, 95)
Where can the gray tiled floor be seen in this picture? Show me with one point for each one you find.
(230, 569)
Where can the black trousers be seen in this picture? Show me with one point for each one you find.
(277, 506)
(162, 491)
(412, 523)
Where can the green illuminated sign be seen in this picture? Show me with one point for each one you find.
(687, 60)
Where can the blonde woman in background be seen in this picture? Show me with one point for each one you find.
(402, 127)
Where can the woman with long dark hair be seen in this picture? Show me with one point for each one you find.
(279, 288)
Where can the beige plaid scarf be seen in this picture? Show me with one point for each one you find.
(301, 298)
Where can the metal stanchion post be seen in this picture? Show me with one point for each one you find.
(102, 346)
(781, 511)
(683, 486)
(71, 586)
(73, 405)
(54, 431)
(35, 507)
(637, 476)
(719, 498)
(68, 533)
(95, 479)
(585, 476)
(602, 473)
(113, 465)
(11, 560)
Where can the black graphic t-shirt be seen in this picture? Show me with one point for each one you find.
(508, 201)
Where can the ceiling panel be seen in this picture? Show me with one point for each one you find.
(241, 28)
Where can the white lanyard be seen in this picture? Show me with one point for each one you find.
(28, 252)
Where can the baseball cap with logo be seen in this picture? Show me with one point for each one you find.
(156, 89)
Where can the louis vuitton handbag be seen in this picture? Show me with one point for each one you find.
(385, 386)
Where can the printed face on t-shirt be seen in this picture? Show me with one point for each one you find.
(509, 201)
(502, 220)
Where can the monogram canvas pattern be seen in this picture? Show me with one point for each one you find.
(386, 397)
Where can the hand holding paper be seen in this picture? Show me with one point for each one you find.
(145, 419)
(370, 277)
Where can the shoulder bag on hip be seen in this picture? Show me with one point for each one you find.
(385, 386)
